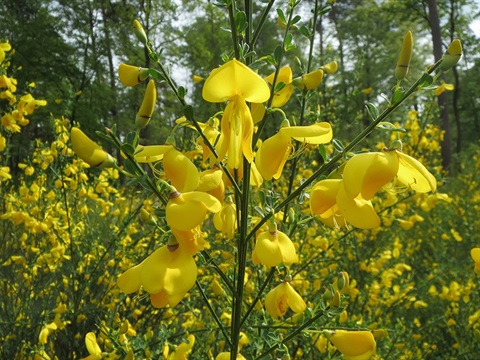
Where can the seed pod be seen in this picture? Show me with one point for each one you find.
(403, 63)
(452, 55)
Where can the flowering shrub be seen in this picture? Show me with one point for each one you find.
(243, 243)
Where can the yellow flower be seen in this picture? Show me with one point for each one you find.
(274, 247)
(331, 68)
(309, 81)
(281, 97)
(236, 83)
(92, 347)
(475, 253)
(28, 104)
(281, 298)
(139, 32)
(131, 75)
(275, 151)
(185, 211)
(367, 173)
(190, 240)
(183, 349)
(211, 181)
(89, 151)
(179, 169)
(226, 356)
(197, 79)
(329, 200)
(441, 89)
(354, 345)
(167, 275)
(145, 112)
(4, 47)
(226, 219)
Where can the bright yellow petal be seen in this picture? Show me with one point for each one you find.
(130, 281)
(319, 133)
(151, 153)
(287, 248)
(413, 174)
(368, 172)
(86, 149)
(182, 173)
(358, 212)
(475, 253)
(354, 345)
(267, 250)
(295, 301)
(272, 155)
(185, 215)
(234, 78)
(92, 346)
(323, 195)
(210, 202)
(273, 302)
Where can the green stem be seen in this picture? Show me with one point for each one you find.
(216, 318)
(242, 261)
(261, 23)
(260, 292)
(142, 172)
(233, 28)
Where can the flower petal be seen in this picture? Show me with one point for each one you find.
(151, 153)
(368, 172)
(272, 155)
(234, 78)
(354, 345)
(180, 171)
(413, 174)
(357, 211)
(130, 281)
(295, 301)
(319, 133)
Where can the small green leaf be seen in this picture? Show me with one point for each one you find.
(181, 92)
(280, 86)
(425, 80)
(188, 112)
(130, 167)
(130, 138)
(103, 136)
(397, 96)
(296, 19)
(127, 149)
(305, 31)
(337, 144)
(155, 74)
(372, 110)
(281, 15)
(278, 54)
(241, 21)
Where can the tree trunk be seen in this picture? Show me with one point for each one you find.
(434, 21)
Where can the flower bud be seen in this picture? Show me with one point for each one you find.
(336, 300)
(309, 81)
(139, 32)
(452, 55)
(89, 151)
(403, 63)
(146, 110)
(331, 68)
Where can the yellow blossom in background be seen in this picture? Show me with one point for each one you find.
(183, 349)
(4, 46)
(236, 83)
(226, 356)
(225, 220)
(309, 81)
(197, 79)
(331, 68)
(475, 253)
(282, 297)
(92, 347)
(444, 87)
